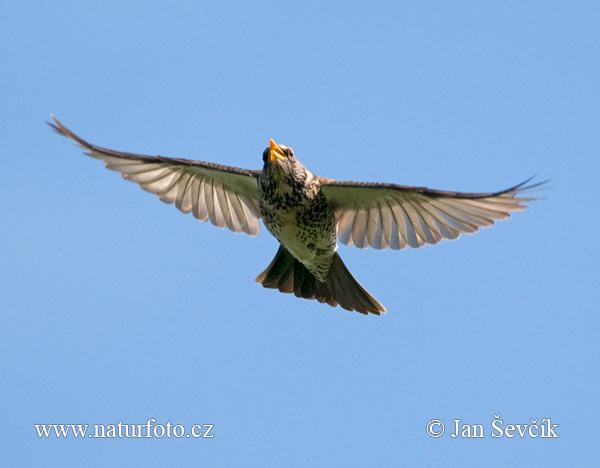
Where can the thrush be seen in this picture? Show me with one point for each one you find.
(308, 214)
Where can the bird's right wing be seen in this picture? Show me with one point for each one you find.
(227, 196)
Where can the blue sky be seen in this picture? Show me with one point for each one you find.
(116, 307)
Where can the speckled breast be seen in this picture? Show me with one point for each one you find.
(299, 216)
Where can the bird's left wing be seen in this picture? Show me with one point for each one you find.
(396, 216)
(227, 196)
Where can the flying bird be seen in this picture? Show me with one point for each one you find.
(308, 214)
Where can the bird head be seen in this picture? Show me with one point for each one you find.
(276, 154)
(282, 165)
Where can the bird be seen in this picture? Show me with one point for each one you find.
(309, 214)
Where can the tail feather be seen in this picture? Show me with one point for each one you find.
(288, 275)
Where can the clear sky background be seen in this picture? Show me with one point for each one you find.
(116, 307)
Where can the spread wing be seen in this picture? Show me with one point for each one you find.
(227, 196)
(394, 216)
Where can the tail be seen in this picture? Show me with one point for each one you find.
(290, 276)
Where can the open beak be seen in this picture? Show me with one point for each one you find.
(275, 152)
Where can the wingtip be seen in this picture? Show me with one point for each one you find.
(523, 187)
(57, 125)
(61, 129)
(56, 121)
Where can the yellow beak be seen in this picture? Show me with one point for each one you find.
(275, 152)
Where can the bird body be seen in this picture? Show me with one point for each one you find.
(296, 213)
(308, 214)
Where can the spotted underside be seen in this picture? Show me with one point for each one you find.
(296, 212)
